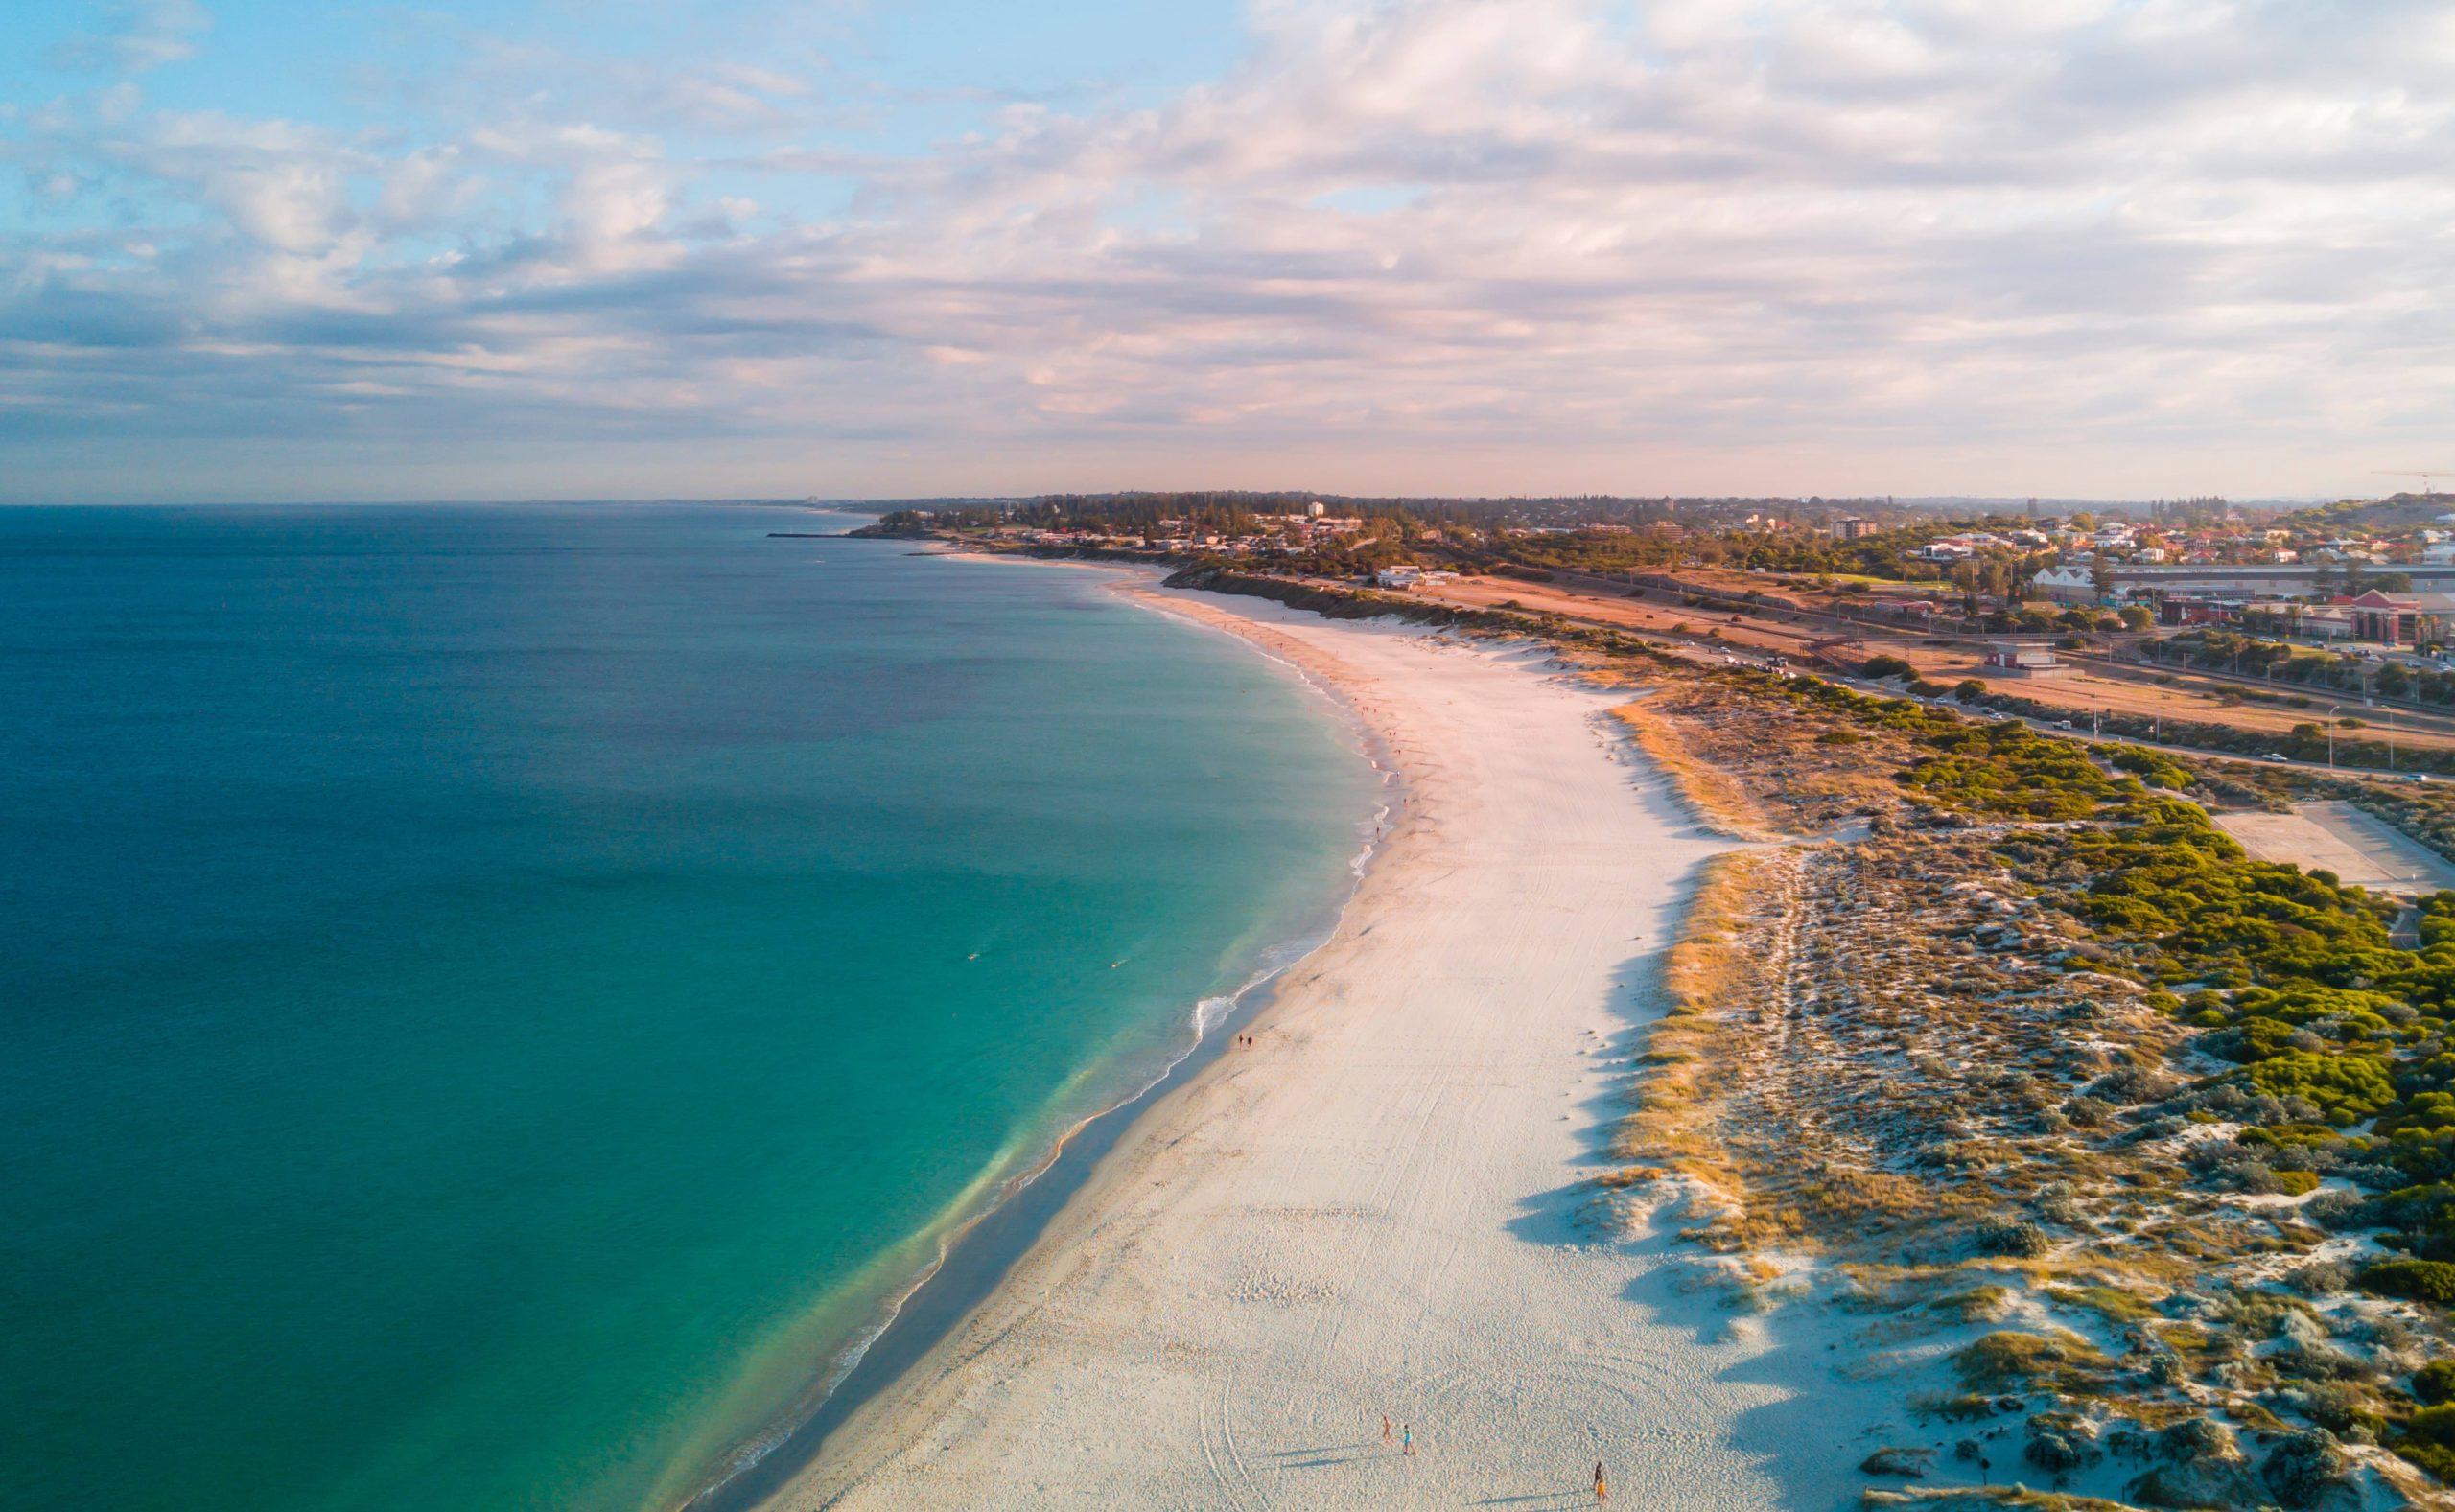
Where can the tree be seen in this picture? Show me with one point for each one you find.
(2101, 577)
(1995, 580)
(2136, 617)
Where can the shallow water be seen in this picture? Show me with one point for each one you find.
(497, 996)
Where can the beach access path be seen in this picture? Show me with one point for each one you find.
(1381, 1207)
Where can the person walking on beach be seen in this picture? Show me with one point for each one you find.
(1601, 1492)
(1407, 1439)
(1385, 1427)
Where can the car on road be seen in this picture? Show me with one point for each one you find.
(2276, 756)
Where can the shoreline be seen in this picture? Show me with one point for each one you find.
(980, 1249)
(1174, 1272)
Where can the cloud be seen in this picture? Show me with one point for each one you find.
(141, 34)
(1900, 244)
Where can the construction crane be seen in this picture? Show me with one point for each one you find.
(2427, 492)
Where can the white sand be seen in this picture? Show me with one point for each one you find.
(1375, 1211)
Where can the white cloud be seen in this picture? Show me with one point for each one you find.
(141, 34)
(1927, 244)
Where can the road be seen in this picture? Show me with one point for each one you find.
(2081, 691)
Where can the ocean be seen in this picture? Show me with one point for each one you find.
(499, 998)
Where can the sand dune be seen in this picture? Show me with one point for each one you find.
(1378, 1210)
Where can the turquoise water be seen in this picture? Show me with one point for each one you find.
(497, 996)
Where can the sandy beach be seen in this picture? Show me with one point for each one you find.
(1380, 1207)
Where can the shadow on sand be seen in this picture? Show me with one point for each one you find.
(1805, 1440)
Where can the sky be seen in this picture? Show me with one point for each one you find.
(2115, 248)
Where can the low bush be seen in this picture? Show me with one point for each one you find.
(2333, 1406)
(2416, 1279)
(2318, 1278)
(2303, 1469)
(2432, 1432)
(2434, 1382)
(2061, 1443)
(2007, 1360)
(2195, 1438)
(2014, 1237)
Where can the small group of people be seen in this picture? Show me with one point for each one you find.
(1244, 1041)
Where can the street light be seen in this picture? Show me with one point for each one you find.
(2332, 710)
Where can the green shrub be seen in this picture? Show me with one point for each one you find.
(2434, 1426)
(2439, 1462)
(2434, 1382)
(2346, 1087)
(2419, 1280)
(1885, 666)
(2154, 768)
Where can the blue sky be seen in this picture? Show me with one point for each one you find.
(2119, 248)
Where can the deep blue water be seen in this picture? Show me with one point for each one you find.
(495, 996)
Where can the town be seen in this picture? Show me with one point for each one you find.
(2357, 571)
(2316, 635)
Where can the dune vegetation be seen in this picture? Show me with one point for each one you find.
(2143, 1150)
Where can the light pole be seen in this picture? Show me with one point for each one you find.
(2332, 711)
